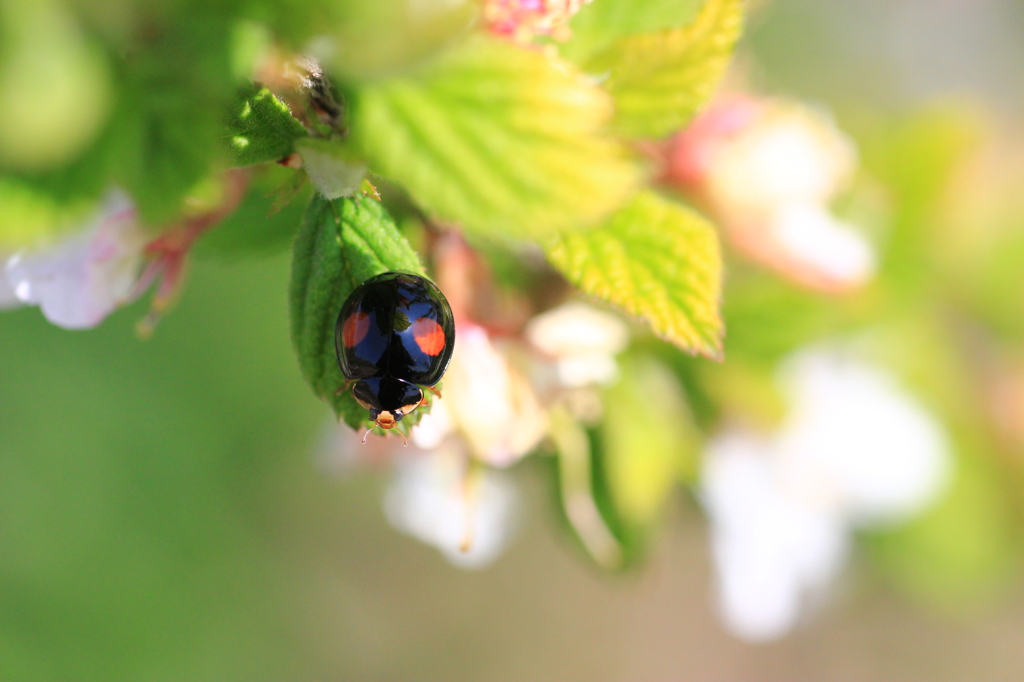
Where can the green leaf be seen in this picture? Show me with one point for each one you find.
(918, 161)
(29, 216)
(601, 23)
(169, 125)
(334, 170)
(340, 244)
(383, 37)
(85, 178)
(576, 490)
(498, 138)
(648, 442)
(55, 86)
(770, 317)
(654, 259)
(261, 128)
(659, 80)
(259, 226)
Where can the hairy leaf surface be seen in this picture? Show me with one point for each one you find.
(497, 138)
(654, 259)
(261, 128)
(340, 244)
(660, 79)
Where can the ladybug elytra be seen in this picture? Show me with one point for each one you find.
(395, 333)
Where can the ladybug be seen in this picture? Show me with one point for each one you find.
(395, 333)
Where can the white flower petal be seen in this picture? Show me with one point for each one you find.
(852, 430)
(582, 341)
(428, 499)
(576, 371)
(576, 328)
(772, 552)
(817, 240)
(433, 427)
(853, 451)
(790, 154)
(81, 279)
(492, 404)
(8, 298)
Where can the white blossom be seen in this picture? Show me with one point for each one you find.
(850, 423)
(788, 154)
(487, 402)
(582, 341)
(813, 239)
(772, 551)
(80, 279)
(8, 299)
(854, 451)
(467, 514)
(768, 170)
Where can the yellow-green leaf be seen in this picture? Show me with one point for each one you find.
(497, 138)
(599, 24)
(654, 259)
(660, 79)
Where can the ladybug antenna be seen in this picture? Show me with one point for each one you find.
(367, 434)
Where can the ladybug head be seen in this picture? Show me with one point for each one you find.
(387, 399)
(386, 419)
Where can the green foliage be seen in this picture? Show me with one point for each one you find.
(577, 493)
(961, 549)
(44, 127)
(601, 23)
(769, 317)
(169, 123)
(340, 244)
(261, 128)
(28, 215)
(385, 37)
(267, 219)
(654, 259)
(660, 79)
(497, 138)
(996, 285)
(139, 483)
(917, 160)
(648, 440)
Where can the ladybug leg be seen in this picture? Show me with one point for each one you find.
(433, 390)
(344, 387)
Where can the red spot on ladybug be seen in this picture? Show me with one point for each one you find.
(354, 329)
(429, 336)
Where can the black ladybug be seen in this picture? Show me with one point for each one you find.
(394, 334)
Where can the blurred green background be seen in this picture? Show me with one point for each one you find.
(163, 515)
